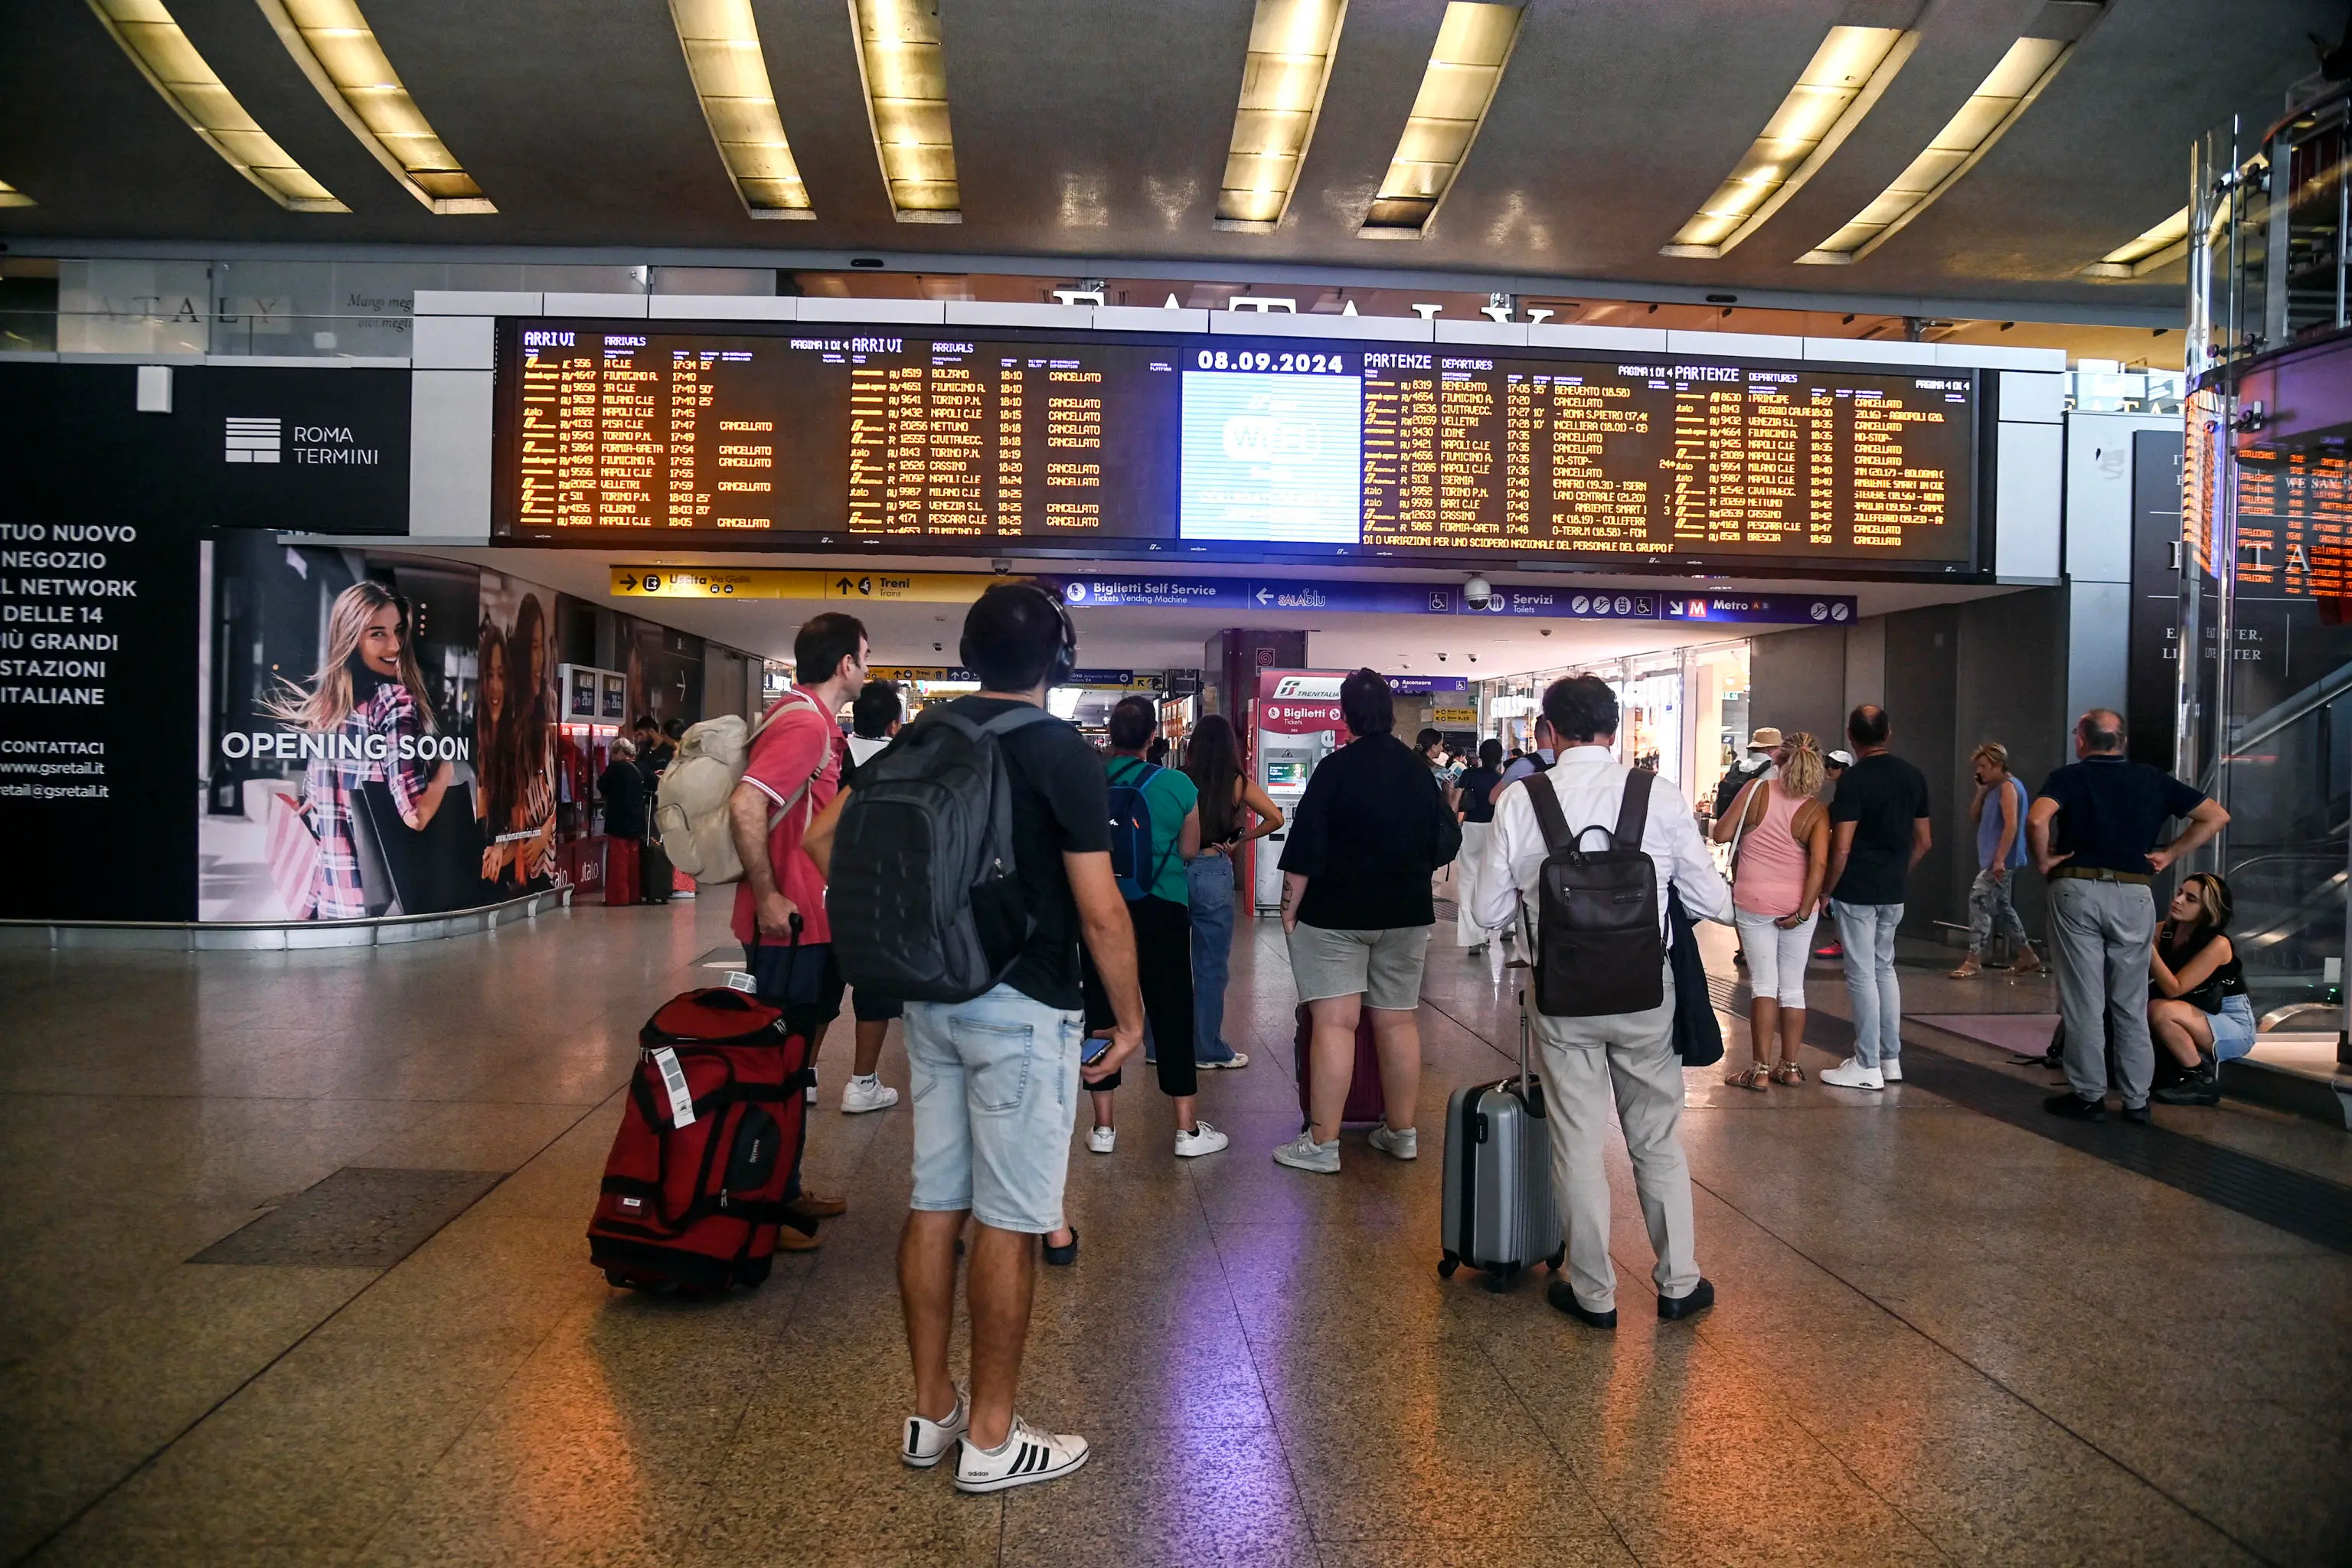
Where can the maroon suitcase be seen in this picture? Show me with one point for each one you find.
(710, 1134)
(1366, 1102)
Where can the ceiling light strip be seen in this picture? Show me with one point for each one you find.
(2153, 251)
(1837, 90)
(10, 196)
(337, 49)
(1292, 43)
(902, 63)
(730, 78)
(1473, 45)
(171, 64)
(1998, 103)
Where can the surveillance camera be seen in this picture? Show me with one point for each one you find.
(1477, 592)
(1474, 659)
(1002, 568)
(1441, 658)
(1543, 631)
(939, 647)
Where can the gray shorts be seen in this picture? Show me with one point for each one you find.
(1383, 966)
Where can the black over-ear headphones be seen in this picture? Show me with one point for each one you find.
(1065, 651)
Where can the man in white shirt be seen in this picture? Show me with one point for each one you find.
(1627, 1058)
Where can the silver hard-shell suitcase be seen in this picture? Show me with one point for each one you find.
(1500, 1215)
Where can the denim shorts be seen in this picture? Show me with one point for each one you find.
(994, 1085)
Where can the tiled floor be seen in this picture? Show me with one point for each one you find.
(1942, 1338)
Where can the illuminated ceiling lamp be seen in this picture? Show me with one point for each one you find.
(731, 79)
(10, 196)
(903, 65)
(2157, 249)
(1474, 44)
(171, 64)
(1835, 94)
(1999, 100)
(337, 49)
(1291, 46)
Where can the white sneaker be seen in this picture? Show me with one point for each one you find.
(1404, 1145)
(1891, 1069)
(1238, 1059)
(1203, 1140)
(865, 1094)
(1303, 1153)
(1103, 1140)
(927, 1442)
(1850, 1074)
(1025, 1456)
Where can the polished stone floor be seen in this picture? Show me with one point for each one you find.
(1943, 1338)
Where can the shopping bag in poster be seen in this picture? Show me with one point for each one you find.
(292, 851)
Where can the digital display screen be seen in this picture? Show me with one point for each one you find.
(1127, 444)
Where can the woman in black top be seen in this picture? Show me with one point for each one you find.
(2198, 1010)
(1474, 803)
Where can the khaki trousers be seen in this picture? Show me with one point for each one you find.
(1626, 1059)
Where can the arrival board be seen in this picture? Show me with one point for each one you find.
(1118, 445)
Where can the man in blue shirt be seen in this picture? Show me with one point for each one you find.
(2095, 830)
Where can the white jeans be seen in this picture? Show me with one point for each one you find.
(1776, 958)
(1467, 931)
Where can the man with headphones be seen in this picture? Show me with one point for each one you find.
(995, 1079)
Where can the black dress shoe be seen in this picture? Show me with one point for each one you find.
(2073, 1106)
(1561, 1296)
(1063, 1257)
(2137, 1115)
(1702, 1297)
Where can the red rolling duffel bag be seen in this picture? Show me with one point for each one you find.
(710, 1136)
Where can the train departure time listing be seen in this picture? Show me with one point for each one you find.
(947, 441)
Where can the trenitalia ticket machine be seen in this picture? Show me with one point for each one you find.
(1296, 724)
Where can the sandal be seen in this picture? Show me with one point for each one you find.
(1968, 970)
(1754, 1078)
(1789, 1073)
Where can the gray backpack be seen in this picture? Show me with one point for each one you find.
(923, 894)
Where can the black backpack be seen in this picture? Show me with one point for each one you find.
(1598, 950)
(1736, 778)
(923, 895)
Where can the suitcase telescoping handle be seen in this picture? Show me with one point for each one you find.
(1527, 945)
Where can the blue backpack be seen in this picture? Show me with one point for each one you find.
(1131, 833)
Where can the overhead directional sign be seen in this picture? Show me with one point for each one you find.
(852, 585)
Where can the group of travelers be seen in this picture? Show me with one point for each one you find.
(1125, 875)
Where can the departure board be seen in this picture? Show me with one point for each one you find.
(2295, 524)
(1144, 444)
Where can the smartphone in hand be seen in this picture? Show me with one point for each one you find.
(1094, 1050)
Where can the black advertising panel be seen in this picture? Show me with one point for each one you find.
(98, 621)
(1225, 447)
(322, 451)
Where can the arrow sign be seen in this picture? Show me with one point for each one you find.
(845, 586)
(1263, 595)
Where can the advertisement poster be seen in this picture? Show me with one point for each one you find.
(378, 735)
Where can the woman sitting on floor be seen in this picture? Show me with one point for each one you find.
(2197, 1006)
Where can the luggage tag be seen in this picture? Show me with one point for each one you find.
(739, 981)
(681, 1101)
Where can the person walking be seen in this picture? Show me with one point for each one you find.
(1879, 830)
(2095, 829)
(1372, 828)
(1474, 804)
(995, 1079)
(792, 772)
(1626, 1061)
(1233, 811)
(1997, 811)
(1782, 832)
(1762, 760)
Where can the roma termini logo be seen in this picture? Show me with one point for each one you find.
(252, 441)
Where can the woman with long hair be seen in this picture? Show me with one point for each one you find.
(1782, 837)
(368, 695)
(532, 754)
(1229, 797)
(494, 728)
(2197, 1007)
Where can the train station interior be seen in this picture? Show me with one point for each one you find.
(438, 441)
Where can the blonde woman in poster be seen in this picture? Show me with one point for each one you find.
(369, 697)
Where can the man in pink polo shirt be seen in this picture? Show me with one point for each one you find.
(790, 776)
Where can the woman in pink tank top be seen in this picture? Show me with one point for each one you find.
(1782, 837)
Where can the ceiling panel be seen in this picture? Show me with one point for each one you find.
(1100, 132)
